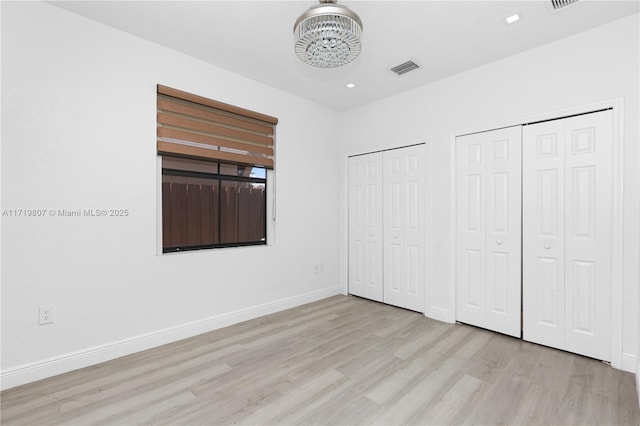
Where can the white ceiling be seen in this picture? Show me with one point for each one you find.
(255, 38)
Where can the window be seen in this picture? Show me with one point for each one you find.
(214, 172)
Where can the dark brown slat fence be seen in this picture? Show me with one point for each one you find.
(190, 214)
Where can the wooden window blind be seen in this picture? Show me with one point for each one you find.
(193, 126)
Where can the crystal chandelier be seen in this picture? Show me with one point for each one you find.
(328, 35)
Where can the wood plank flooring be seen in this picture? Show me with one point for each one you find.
(339, 361)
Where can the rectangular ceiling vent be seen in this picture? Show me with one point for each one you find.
(561, 4)
(405, 68)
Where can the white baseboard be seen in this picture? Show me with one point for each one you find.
(440, 314)
(28, 373)
(638, 380)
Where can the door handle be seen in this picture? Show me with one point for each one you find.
(499, 242)
(547, 246)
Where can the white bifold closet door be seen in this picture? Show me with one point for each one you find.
(365, 226)
(567, 233)
(386, 227)
(404, 233)
(488, 230)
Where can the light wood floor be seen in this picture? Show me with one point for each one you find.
(342, 360)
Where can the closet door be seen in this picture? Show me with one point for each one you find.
(567, 230)
(588, 233)
(404, 232)
(543, 233)
(488, 217)
(365, 226)
(503, 285)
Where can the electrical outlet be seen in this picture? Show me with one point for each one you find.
(321, 267)
(46, 314)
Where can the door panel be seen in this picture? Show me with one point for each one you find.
(472, 281)
(488, 283)
(404, 239)
(549, 310)
(543, 233)
(365, 226)
(470, 235)
(498, 289)
(588, 246)
(503, 279)
(567, 225)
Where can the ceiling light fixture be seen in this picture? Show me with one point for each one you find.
(328, 35)
(513, 18)
(351, 85)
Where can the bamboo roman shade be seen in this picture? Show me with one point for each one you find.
(197, 127)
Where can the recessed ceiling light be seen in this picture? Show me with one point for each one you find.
(513, 18)
(351, 85)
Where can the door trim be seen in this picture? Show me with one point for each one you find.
(617, 271)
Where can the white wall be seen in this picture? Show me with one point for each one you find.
(594, 66)
(78, 132)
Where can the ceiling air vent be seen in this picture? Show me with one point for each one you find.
(561, 4)
(405, 68)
